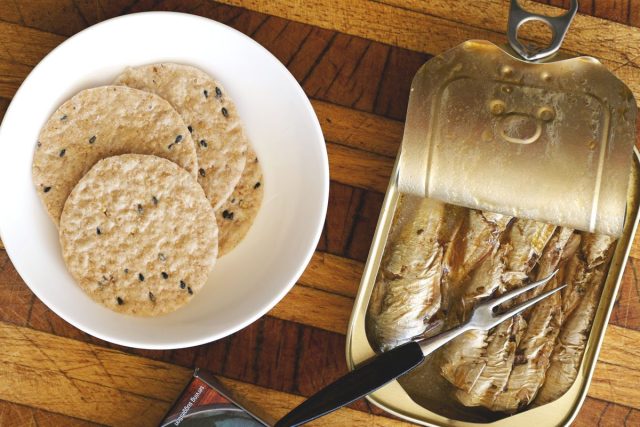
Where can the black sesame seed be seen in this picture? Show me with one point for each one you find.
(178, 139)
(154, 199)
(218, 92)
(92, 139)
(152, 297)
(257, 185)
(226, 214)
(206, 93)
(141, 277)
(98, 231)
(165, 275)
(203, 143)
(126, 271)
(170, 146)
(120, 301)
(182, 284)
(140, 209)
(63, 117)
(38, 143)
(46, 189)
(62, 152)
(225, 112)
(161, 257)
(202, 172)
(190, 290)
(190, 129)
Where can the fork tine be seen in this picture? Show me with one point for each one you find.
(520, 308)
(514, 293)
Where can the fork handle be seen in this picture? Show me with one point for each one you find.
(363, 380)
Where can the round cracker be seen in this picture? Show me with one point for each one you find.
(236, 215)
(101, 122)
(216, 128)
(138, 235)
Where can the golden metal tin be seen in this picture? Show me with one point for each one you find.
(489, 131)
(395, 399)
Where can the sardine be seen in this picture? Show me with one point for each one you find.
(581, 301)
(593, 252)
(407, 289)
(449, 236)
(527, 239)
(481, 236)
(568, 351)
(502, 343)
(463, 360)
(543, 325)
(486, 372)
(480, 246)
(531, 357)
(478, 239)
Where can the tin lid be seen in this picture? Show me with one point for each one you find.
(551, 141)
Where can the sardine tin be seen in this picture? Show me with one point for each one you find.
(549, 141)
(395, 399)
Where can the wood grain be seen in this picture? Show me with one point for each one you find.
(281, 403)
(315, 307)
(587, 35)
(356, 129)
(376, 21)
(12, 414)
(339, 68)
(600, 413)
(58, 375)
(614, 44)
(4, 103)
(626, 311)
(635, 248)
(428, 26)
(332, 273)
(358, 168)
(15, 297)
(618, 369)
(66, 17)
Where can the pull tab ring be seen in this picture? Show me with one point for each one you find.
(558, 24)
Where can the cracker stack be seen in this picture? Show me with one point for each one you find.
(148, 183)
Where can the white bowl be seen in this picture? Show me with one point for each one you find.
(281, 125)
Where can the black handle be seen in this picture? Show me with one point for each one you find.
(363, 380)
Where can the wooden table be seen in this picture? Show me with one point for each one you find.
(355, 60)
